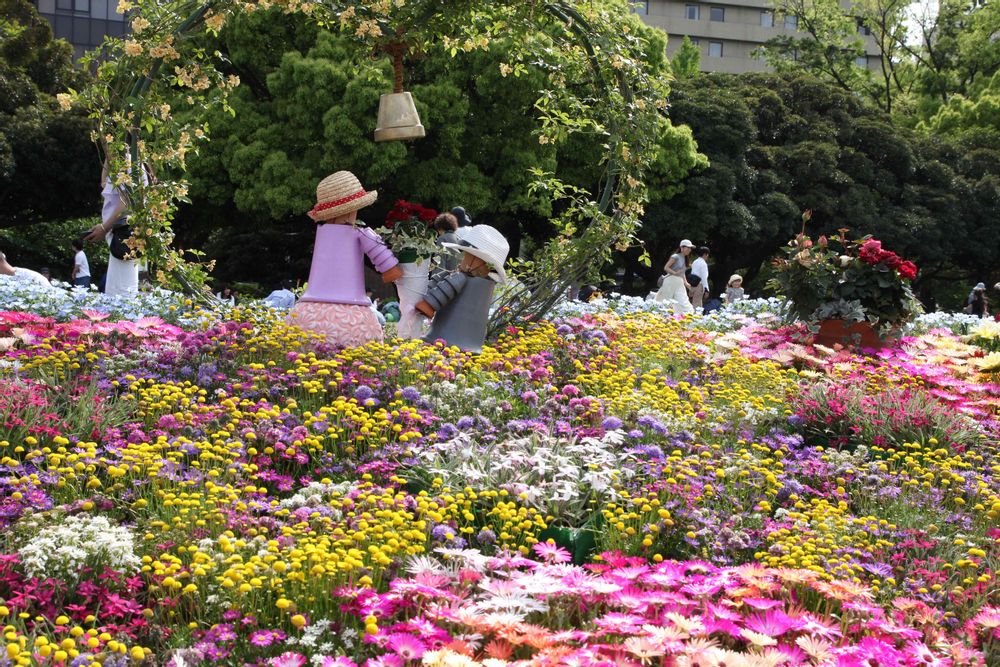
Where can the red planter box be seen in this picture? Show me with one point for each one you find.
(848, 334)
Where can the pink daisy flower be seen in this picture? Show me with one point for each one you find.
(288, 659)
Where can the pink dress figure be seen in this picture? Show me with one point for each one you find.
(335, 303)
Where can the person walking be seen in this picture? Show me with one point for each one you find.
(463, 218)
(699, 267)
(80, 275)
(675, 286)
(123, 273)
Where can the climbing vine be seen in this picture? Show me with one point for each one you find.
(599, 83)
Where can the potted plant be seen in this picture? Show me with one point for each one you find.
(408, 233)
(853, 291)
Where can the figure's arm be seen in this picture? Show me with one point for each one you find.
(441, 293)
(100, 230)
(380, 255)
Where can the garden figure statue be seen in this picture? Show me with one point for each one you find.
(334, 303)
(460, 302)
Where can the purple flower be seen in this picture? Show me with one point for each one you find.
(363, 393)
(486, 537)
(262, 638)
(611, 423)
(410, 394)
(466, 423)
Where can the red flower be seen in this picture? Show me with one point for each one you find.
(871, 251)
(907, 270)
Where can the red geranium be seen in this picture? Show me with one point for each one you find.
(907, 270)
(404, 211)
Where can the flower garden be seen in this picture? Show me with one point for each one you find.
(615, 486)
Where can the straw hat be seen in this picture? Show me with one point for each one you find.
(487, 244)
(338, 194)
(733, 278)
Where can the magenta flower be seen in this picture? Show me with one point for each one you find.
(551, 553)
(406, 647)
(288, 659)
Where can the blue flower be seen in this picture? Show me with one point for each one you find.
(611, 423)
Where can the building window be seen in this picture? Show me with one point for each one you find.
(862, 28)
(792, 22)
(692, 12)
(66, 5)
(715, 49)
(81, 6)
(640, 6)
(861, 61)
(767, 19)
(695, 41)
(718, 14)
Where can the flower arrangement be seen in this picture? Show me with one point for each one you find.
(847, 279)
(408, 233)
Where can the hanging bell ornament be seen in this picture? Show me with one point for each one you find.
(397, 118)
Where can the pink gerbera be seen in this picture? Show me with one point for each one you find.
(341, 661)
(406, 647)
(552, 553)
(288, 659)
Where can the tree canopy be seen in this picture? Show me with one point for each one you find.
(48, 167)
(778, 145)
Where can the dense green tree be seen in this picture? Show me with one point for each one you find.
(687, 60)
(309, 108)
(778, 145)
(48, 167)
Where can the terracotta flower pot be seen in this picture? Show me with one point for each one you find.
(848, 334)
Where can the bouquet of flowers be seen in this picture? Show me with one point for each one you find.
(408, 232)
(840, 278)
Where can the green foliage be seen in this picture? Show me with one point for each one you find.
(975, 118)
(780, 144)
(48, 169)
(687, 60)
(47, 244)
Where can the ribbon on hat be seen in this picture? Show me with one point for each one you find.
(318, 208)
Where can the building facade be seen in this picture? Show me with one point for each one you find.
(82, 23)
(728, 32)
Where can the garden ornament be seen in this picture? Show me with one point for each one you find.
(398, 119)
(460, 302)
(335, 303)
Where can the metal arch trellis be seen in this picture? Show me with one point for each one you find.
(613, 217)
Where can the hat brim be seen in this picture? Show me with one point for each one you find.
(476, 252)
(336, 211)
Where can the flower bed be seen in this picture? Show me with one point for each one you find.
(598, 490)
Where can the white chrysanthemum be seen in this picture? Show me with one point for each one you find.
(63, 549)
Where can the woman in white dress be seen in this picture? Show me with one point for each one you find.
(123, 274)
(674, 287)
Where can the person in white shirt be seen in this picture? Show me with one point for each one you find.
(699, 267)
(81, 267)
(16, 273)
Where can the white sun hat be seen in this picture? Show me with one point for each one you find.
(686, 244)
(487, 244)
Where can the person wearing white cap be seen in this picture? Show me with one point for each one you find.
(460, 302)
(675, 286)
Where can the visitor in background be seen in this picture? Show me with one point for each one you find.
(123, 274)
(283, 297)
(461, 217)
(445, 226)
(675, 286)
(734, 290)
(80, 276)
(46, 273)
(25, 275)
(979, 304)
(226, 295)
(699, 267)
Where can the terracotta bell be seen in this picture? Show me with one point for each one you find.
(397, 118)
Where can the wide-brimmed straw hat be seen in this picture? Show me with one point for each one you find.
(338, 194)
(733, 278)
(487, 244)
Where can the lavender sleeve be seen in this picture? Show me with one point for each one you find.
(373, 246)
